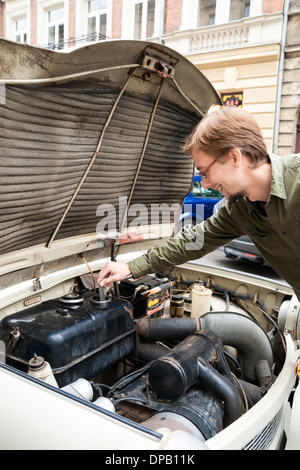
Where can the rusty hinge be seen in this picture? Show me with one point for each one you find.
(159, 66)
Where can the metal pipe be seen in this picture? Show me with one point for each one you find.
(234, 329)
(244, 334)
(176, 372)
(91, 161)
(211, 379)
(186, 98)
(280, 76)
(63, 78)
(141, 156)
(159, 329)
(162, 21)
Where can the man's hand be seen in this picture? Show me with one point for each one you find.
(113, 272)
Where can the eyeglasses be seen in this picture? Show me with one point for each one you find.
(203, 172)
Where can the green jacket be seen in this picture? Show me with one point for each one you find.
(276, 235)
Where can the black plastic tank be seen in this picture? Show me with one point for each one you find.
(78, 337)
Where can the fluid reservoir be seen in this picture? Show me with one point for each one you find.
(41, 369)
(176, 306)
(201, 300)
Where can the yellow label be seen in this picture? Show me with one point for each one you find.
(152, 302)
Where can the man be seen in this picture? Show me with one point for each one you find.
(263, 200)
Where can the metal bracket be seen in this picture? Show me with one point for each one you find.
(36, 284)
(159, 66)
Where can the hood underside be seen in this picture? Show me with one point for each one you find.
(90, 138)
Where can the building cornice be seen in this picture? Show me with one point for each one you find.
(242, 55)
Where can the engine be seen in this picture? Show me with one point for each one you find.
(138, 351)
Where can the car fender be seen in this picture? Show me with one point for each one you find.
(293, 442)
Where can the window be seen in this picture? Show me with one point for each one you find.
(206, 12)
(247, 10)
(239, 9)
(21, 30)
(97, 20)
(212, 19)
(144, 15)
(56, 28)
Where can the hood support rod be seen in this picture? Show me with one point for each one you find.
(186, 98)
(48, 245)
(124, 218)
(63, 78)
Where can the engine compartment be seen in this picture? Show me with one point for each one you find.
(140, 350)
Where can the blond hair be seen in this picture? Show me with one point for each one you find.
(227, 128)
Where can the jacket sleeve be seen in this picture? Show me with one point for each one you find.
(186, 246)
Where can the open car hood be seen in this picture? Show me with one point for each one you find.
(90, 146)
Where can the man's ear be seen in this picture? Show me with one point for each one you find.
(236, 154)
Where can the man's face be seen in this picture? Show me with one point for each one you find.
(224, 175)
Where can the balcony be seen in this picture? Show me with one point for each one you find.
(219, 38)
(247, 32)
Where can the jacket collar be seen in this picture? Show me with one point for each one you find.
(277, 184)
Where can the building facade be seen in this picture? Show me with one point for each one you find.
(239, 52)
(237, 44)
(287, 129)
